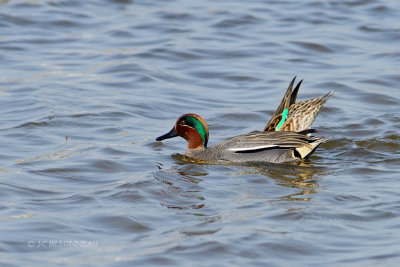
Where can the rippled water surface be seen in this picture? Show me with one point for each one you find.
(86, 86)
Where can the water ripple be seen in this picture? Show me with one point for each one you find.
(86, 86)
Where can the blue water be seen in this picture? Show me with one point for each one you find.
(87, 86)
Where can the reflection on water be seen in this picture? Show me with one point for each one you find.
(302, 176)
(185, 182)
(296, 175)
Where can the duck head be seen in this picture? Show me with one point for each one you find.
(193, 128)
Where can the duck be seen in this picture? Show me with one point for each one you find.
(286, 137)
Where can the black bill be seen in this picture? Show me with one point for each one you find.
(170, 134)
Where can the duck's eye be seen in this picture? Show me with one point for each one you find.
(182, 122)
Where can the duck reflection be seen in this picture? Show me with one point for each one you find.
(187, 181)
(301, 176)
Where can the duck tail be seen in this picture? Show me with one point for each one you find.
(305, 152)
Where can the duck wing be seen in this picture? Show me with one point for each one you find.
(302, 144)
(288, 99)
(302, 114)
(292, 116)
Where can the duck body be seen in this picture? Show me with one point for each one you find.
(275, 147)
(286, 137)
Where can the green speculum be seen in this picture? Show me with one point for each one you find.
(284, 115)
(198, 125)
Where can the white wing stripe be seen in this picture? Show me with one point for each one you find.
(251, 148)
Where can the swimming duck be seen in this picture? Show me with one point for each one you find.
(274, 144)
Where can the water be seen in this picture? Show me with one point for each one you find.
(86, 86)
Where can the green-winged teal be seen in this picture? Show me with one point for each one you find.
(275, 144)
